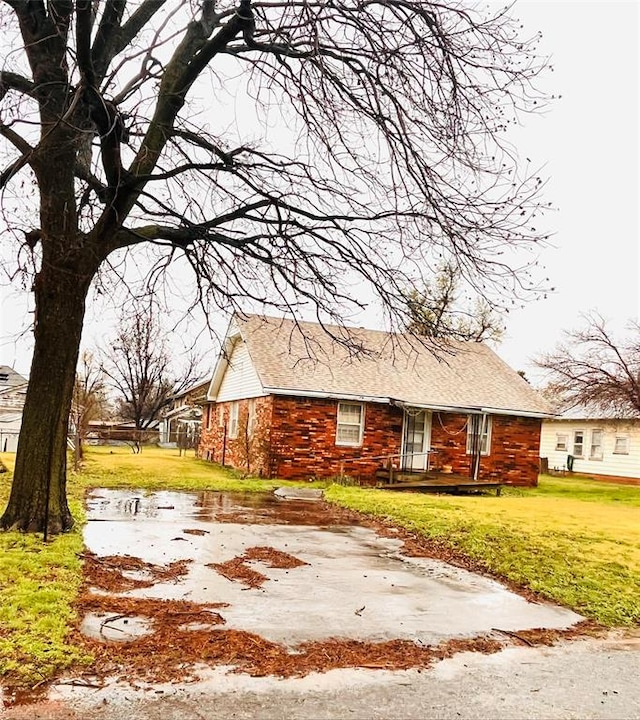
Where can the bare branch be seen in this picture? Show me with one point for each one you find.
(593, 369)
(14, 81)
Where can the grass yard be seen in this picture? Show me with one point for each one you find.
(574, 541)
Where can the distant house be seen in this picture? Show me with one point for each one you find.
(287, 400)
(116, 432)
(590, 441)
(13, 391)
(181, 423)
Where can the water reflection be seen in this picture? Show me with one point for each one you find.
(211, 506)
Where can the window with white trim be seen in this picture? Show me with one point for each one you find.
(350, 424)
(482, 426)
(220, 415)
(621, 446)
(234, 410)
(578, 443)
(595, 451)
(562, 441)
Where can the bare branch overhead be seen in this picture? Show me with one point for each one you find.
(596, 370)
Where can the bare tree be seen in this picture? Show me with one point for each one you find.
(89, 401)
(140, 366)
(118, 135)
(593, 368)
(436, 311)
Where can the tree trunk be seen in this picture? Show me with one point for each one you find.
(38, 501)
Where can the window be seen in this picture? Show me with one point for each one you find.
(622, 445)
(479, 431)
(221, 415)
(251, 416)
(595, 451)
(578, 443)
(233, 420)
(562, 441)
(350, 424)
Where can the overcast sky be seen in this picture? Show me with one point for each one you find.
(589, 139)
(588, 142)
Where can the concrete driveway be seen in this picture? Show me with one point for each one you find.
(339, 581)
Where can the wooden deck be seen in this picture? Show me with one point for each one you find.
(437, 482)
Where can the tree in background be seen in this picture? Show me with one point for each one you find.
(436, 311)
(89, 401)
(141, 369)
(593, 368)
(122, 150)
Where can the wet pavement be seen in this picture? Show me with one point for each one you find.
(350, 583)
(320, 575)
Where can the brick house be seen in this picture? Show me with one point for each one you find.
(293, 400)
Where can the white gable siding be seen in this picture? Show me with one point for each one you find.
(611, 464)
(240, 379)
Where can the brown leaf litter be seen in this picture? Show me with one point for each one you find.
(237, 569)
(108, 572)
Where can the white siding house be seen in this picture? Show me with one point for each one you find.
(13, 391)
(589, 443)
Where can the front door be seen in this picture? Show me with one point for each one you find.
(416, 439)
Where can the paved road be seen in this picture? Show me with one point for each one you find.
(586, 679)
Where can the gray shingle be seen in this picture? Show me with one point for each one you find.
(304, 358)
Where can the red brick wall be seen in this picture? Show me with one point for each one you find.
(245, 452)
(514, 452)
(303, 439)
(294, 438)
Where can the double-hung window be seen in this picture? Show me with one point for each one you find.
(578, 443)
(595, 451)
(478, 434)
(350, 425)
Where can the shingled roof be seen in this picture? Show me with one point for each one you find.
(9, 378)
(307, 359)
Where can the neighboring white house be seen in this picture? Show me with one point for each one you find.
(13, 390)
(592, 442)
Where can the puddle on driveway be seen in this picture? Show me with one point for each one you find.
(347, 581)
(212, 507)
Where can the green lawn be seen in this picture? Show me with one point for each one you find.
(574, 541)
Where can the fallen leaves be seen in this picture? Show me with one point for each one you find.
(237, 569)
